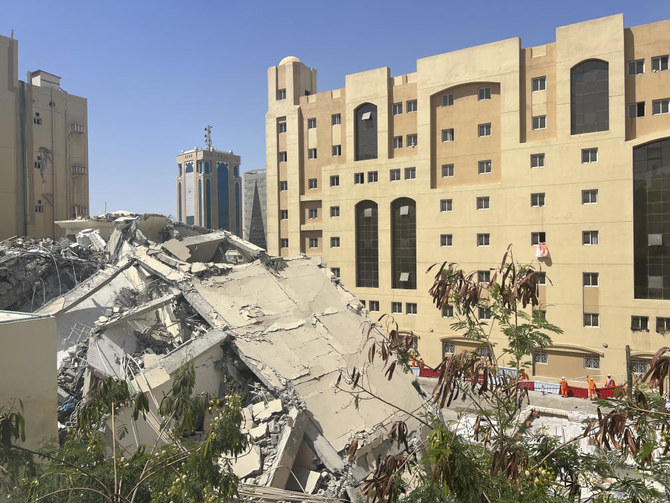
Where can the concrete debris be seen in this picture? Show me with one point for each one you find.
(135, 296)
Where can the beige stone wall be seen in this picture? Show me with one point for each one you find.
(508, 69)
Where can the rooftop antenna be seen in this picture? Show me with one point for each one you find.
(208, 138)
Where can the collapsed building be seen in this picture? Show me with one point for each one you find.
(150, 294)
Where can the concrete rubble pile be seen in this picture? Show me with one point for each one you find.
(276, 331)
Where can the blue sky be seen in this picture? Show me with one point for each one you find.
(156, 73)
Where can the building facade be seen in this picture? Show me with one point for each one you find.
(43, 150)
(209, 189)
(565, 144)
(255, 207)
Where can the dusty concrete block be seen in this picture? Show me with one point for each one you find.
(304, 480)
(198, 268)
(259, 431)
(274, 407)
(249, 464)
(177, 249)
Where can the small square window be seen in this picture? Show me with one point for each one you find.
(659, 63)
(537, 237)
(539, 83)
(592, 362)
(313, 213)
(484, 93)
(410, 308)
(484, 313)
(446, 205)
(659, 107)
(636, 67)
(410, 173)
(448, 100)
(589, 238)
(312, 183)
(397, 108)
(282, 157)
(446, 240)
(639, 366)
(283, 185)
(448, 134)
(541, 278)
(337, 150)
(335, 271)
(313, 242)
(483, 203)
(484, 130)
(639, 323)
(336, 119)
(448, 348)
(662, 324)
(38, 121)
(448, 311)
(483, 239)
(447, 170)
(311, 153)
(537, 199)
(281, 94)
(484, 167)
(590, 196)
(411, 140)
(335, 180)
(335, 242)
(483, 276)
(540, 122)
(396, 307)
(359, 178)
(334, 211)
(589, 155)
(591, 319)
(311, 123)
(590, 279)
(394, 174)
(397, 142)
(284, 243)
(373, 177)
(411, 106)
(636, 110)
(537, 160)
(540, 357)
(373, 306)
(283, 214)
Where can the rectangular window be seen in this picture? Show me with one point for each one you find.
(483, 203)
(589, 155)
(660, 106)
(484, 93)
(312, 183)
(591, 319)
(313, 213)
(591, 279)
(448, 311)
(592, 362)
(283, 185)
(447, 170)
(639, 366)
(639, 323)
(336, 119)
(337, 150)
(446, 205)
(540, 357)
(334, 211)
(396, 307)
(282, 157)
(662, 324)
(537, 160)
(373, 177)
(446, 240)
(484, 313)
(335, 271)
(281, 127)
(313, 242)
(484, 130)
(281, 94)
(394, 174)
(483, 239)
(636, 109)
(397, 142)
(537, 199)
(311, 123)
(448, 348)
(410, 308)
(335, 180)
(539, 83)
(537, 237)
(411, 140)
(483, 276)
(411, 106)
(590, 196)
(284, 243)
(448, 100)
(484, 167)
(636, 67)
(311, 153)
(38, 121)
(283, 214)
(541, 278)
(373, 306)
(589, 237)
(410, 173)
(448, 134)
(659, 63)
(539, 122)
(397, 108)
(359, 178)
(334, 242)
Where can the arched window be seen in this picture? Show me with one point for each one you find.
(589, 97)
(189, 181)
(367, 245)
(208, 202)
(222, 200)
(366, 132)
(179, 212)
(207, 167)
(403, 243)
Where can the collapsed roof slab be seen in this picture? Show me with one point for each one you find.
(203, 248)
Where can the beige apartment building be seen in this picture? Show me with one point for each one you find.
(565, 144)
(209, 189)
(43, 150)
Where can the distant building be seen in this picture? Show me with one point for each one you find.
(43, 150)
(209, 189)
(255, 207)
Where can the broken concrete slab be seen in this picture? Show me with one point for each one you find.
(248, 464)
(264, 412)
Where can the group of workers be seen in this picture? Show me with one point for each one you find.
(593, 392)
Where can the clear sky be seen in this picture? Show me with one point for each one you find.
(155, 73)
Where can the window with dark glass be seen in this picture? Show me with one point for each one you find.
(336, 119)
(366, 132)
(367, 245)
(589, 97)
(403, 243)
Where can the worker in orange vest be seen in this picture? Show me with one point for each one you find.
(421, 364)
(413, 361)
(592, 387)
(523, 376)
(609, 382)
(564, 387)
